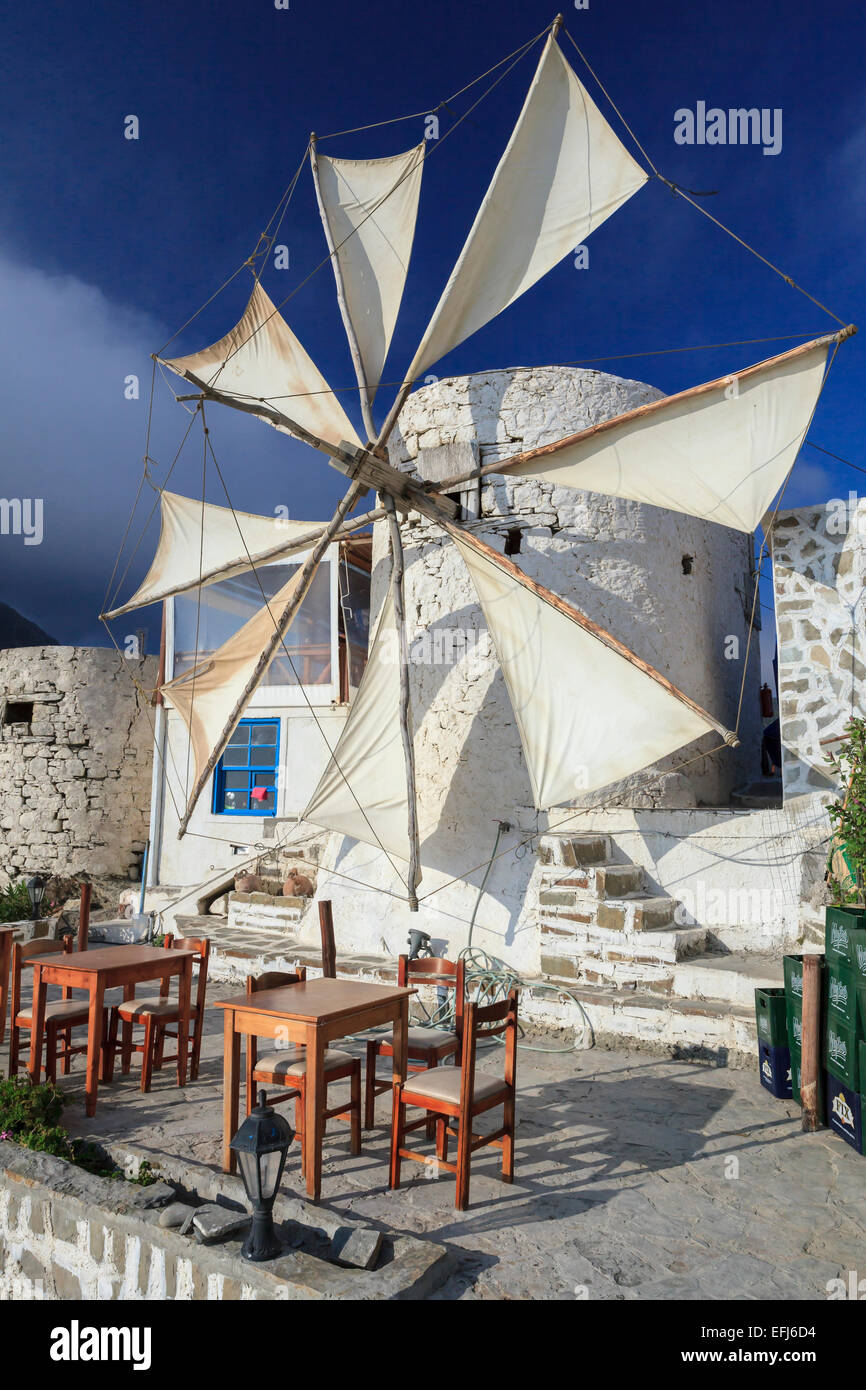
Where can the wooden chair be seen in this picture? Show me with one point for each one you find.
(460, 1095)
(157, 1015)
(61, 1015)
(427, 1046)
(288, 1067)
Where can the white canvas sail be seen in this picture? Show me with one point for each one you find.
(199, 543)
(205, 696)
(587, 716)
(720, 452)
(562, 174)
(371, 206)
(260, 359)
(362, 792)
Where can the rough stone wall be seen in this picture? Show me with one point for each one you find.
(819, 576)
(75, 779)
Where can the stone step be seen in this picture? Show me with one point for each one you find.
(574, 850)
(730, 978)
(607, 880)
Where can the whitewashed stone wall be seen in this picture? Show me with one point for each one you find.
(75, 780)
(819, 576)
(622, 564)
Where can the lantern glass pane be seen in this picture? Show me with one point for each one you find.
(248, 1164)
(269, 1167)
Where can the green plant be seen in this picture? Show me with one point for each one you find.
(15, 902)
(30, 1116)
(848, 816)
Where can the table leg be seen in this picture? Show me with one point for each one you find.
(231, 1086)
(94, 1043)
(37, 1024)
(5, 954)
(314, 1125)
(185, 988)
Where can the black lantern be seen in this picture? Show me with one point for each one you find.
(261, 1145)
(36, 892)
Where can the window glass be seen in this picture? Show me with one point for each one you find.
(245, 779)
(227, 605)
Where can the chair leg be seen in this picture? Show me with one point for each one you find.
(51, 1053)
(66, 1039)
(464, 1158)
(299, 1128)
(442, 1138)
(196, 1048)
(397, 1136)
(14, 1040)
(109, 1042)
(355, 1113)
(158, 1045)
(430, 1129)
(370, 1084)
(126, 1047)
(147, 1055)
(508, 1142)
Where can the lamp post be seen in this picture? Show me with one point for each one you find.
(261, 1145)
(36, 892)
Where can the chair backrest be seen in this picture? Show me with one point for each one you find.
(482, 1021)
(201, 946)
(276, 979)
(439, 971)
(329, 947)
(24, 953)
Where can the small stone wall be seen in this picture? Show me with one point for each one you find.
(819, 573)
(75, 772)
(66, 1234)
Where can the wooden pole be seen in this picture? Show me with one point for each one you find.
(329, 946)
(306, 578)
(84, 916)
(811, 1055)
(397, 570)
(640, 412)
(354, 348)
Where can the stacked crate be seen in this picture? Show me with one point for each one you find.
(845, 1021)
(774, 1055)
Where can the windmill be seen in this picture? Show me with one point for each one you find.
(719, 451)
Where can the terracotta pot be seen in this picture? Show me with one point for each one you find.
(247, 883)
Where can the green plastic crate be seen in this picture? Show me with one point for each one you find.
(841, 1053)
(771, 1016)
(844, 933)
(841, 991)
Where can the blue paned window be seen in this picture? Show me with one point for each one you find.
(245, 780)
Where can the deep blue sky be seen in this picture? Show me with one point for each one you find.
(108, 245)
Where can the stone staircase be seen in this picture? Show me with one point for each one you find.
(641, 976)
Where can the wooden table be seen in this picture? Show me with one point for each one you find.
(107, 967)
(314, 1014)
(5, 958)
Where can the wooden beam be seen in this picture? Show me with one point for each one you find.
(397, 571)
(329, 946)
(306, 578)
(640, 412)
(810, 1059)
(581, 620)
(354, 349)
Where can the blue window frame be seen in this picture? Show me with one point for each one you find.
(245, 780)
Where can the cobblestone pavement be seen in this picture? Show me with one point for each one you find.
(636, 1178)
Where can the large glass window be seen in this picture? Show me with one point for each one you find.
(228, 604)
(245, 780)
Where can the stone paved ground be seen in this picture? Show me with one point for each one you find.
(636, 1178)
